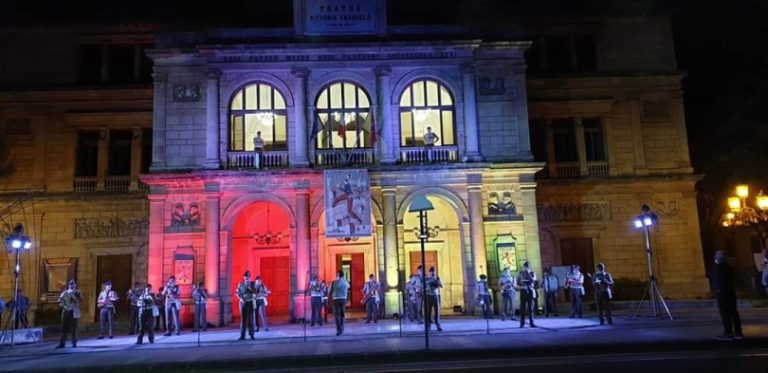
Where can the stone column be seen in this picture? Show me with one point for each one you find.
(391, 298)
(212, 248)
(581, 147)
(158, 119)
(530, 244)
(299, 155)
(102, 163)
(472, 150)
(551, 161)
(156, 239)
(303, 254)
(476, 226)
(383, 117)
(212, 119)
(135, 159)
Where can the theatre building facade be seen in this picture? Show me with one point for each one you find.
(538, 148)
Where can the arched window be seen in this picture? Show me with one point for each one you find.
(426, 104)
(344, 110)
(258, 107)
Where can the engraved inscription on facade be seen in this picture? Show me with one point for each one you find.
(115, 227)
(560, 212)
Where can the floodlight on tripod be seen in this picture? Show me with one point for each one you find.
(645, 221)
(14, 243)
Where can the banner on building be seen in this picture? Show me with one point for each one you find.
(347, 203)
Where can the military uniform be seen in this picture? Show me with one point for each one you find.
(339, 289)
(106, 303)
(200, 296)
(146, 302)
(261, 304)
(416, 300)
(172, 306)
(602, 281)
(316, 295)
(551, 286)
(371, 295)
(526, 280)
(325, 306)
(70, 313)
(575, 282)
(507, 288)
(246, 292)
(484, 300)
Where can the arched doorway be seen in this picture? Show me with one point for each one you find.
(443, 251)
(355, 256)
(261, 242)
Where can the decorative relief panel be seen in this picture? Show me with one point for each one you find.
(561, 212)
(655, 111)
(189, 216)
(500, 203)
(186, 92)
(106, 228)
(667, 209)
(492, 86)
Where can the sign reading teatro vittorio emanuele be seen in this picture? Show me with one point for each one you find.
(339, 17)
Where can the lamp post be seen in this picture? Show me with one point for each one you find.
(741, 214)
(421, 205)
(15, 243)
(645, 221)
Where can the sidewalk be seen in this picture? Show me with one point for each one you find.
(284, 346)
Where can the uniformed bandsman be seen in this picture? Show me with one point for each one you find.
(432, 292)
(106, 304)
(261, 304)
(160, 318)
(316, 297)
(507, 288)
(146, 303)
(526, 282)
(484, 300)
(417, 300)
(603, 283)
(200, 296)
(133, 295)
(70, 300)
(172, 305)
(338, 291)
(371, 300)
(575, 282)
(551, 285)
(245, 293)
(326, 306)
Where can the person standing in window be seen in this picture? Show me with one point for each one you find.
(430, 139)
(258, 148)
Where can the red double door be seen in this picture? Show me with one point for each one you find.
(353, 266)
(275, 274)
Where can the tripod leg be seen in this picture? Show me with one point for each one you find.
(642, 300)
(663, 302)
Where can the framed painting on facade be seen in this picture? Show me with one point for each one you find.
(347, 203)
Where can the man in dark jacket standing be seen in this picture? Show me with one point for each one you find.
(726, 297)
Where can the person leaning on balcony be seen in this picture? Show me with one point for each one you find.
(258, 148)
(430, 139)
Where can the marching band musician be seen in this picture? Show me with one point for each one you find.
(245, 292)
(484, 296)
(338, 290)
(132, 296)
(409, 294)
(325, 307)
(172, 305)
(106, 304)
(602, 281)
(371, 300)
(160, 317)
(146, 303)
(526, 281)
(316, 296)
(575, 281)
(507, 287)
(70, 312)
(417, 302)
(200, 296)
(261, 303)
(551, 284)
(432, 292)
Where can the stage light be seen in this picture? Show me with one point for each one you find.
(647, 221)
(638, 223)
(16, 243)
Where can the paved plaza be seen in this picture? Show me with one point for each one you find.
(284, 345)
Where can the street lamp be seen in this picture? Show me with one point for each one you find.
(741, 214)
(421, 205)
(645, 221)
(14, 243)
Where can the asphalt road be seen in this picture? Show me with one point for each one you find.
(689, 361)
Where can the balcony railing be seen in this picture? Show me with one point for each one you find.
(343, 158)
(437, 154)
(597, 168)
(245, 160)
(565, 169)
(84, 184)
(117, 183)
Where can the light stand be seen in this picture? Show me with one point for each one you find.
(421, 205)
(16, 242)
(645, 221)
